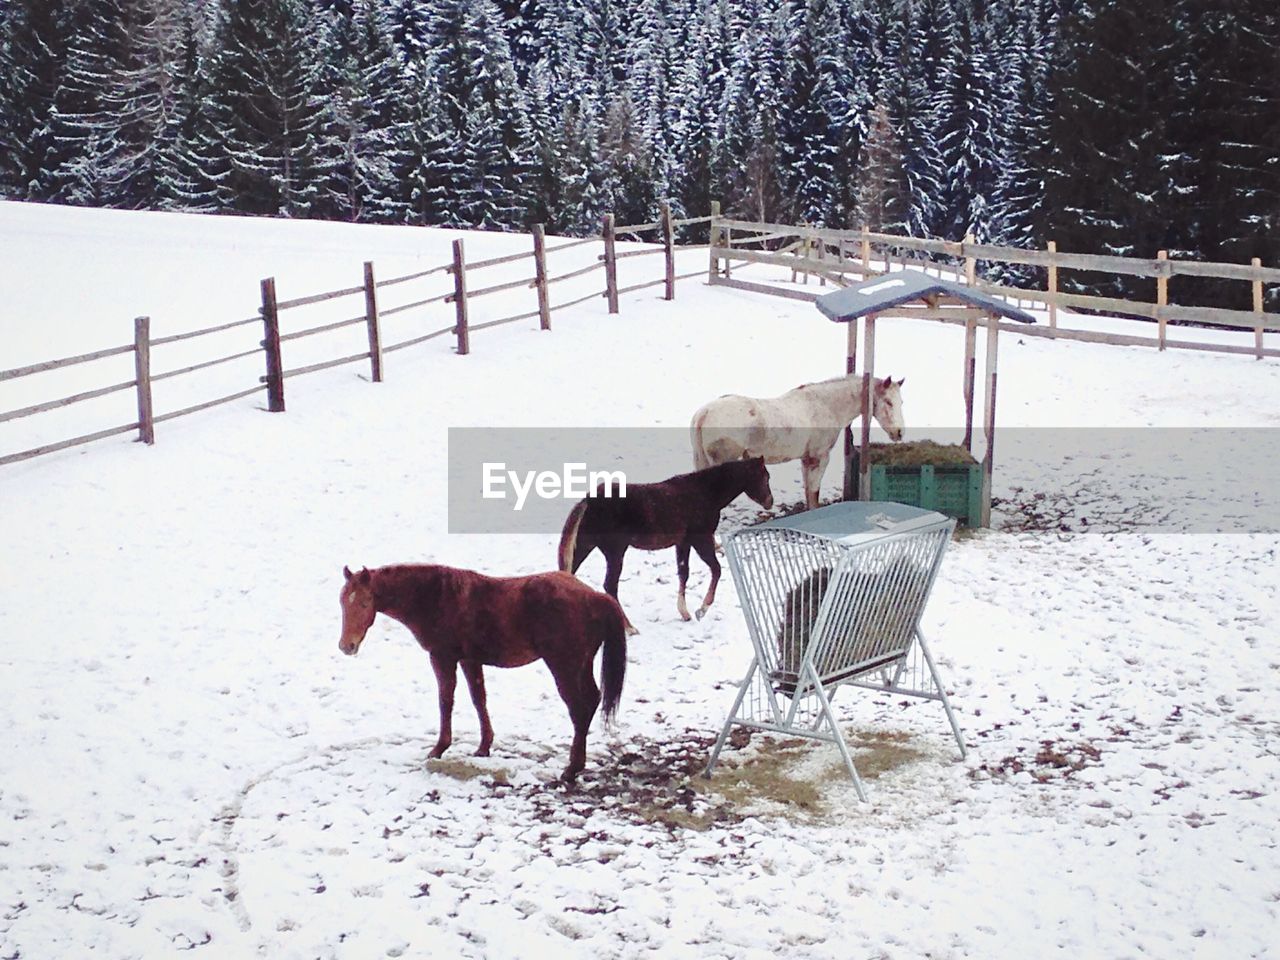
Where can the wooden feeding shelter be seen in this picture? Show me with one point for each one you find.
(914, 295)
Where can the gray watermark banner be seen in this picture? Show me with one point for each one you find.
(1074, 480)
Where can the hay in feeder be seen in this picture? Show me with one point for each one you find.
(885, 597)
(918, 453)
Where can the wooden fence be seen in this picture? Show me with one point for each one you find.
(272, 346)
(829, 255)
(838, 255)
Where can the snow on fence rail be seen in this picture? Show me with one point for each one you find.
(830, 255)
(371, 318)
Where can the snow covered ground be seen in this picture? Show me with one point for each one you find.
(190, 764)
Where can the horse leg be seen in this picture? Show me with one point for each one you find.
(682, 569)
(613, 574)
(446, 679)
(813, 468)
(474, 672)
(807, 466)
(577, 686)
(705, 544)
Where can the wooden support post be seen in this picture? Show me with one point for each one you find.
(1257, 308)
(142, 369)
(850, 366)
(462, 330)
(989, 416)
(540, 275)
(866, 252)
(970, 264)
(669, 248)
(1162, 297)
(728, 246)
(371, 319)
(970, 375)
(713, 264)
(822, 256)
(610, 264)
(1053, 290)
(271, 344)
(868, 387)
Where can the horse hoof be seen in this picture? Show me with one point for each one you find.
(684, 615)
(482, 752)
(631, 631)
(702, 612)
(570, 776)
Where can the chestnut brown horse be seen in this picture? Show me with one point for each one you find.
(681, 512)
(465, 618)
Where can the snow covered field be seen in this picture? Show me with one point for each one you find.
(190, 764)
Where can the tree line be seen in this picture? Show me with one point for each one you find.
(1117, 126)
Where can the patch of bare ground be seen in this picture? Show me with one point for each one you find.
(460, 769)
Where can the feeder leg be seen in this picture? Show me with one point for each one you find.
(728, 723)
(839, 738)
(942, 693)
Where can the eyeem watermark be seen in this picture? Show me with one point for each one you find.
(573, 482)
(1055, 481)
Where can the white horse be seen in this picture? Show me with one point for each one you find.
(803, 424)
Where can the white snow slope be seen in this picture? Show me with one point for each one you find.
(191, 767)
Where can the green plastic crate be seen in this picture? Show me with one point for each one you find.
(951, 489)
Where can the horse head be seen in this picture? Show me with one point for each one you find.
(757, 485)
(358, 610)
(888, 407)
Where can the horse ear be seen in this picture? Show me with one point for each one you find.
(888, 382)
(902, 381)
(346, 572)
(363, 577)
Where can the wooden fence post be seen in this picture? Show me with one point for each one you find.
(970, 378)
(460, 298)
(989, 416)
(271, 344)
(371, 318)
(714, 261)
(669, 243)
(850, 367)
(1257, 308)
(610, 264)
(970, 264)
(540, 275)
(142, 368)
(864, 458)
(1053, 289)
(727, 235)
(866, 252)
(1162, 296)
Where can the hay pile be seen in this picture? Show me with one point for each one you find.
(918, 453)
(878, 623)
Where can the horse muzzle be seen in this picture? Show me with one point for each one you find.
(349, 647)
(897, 435)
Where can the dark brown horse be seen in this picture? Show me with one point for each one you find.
(465, 618)
(680, 512)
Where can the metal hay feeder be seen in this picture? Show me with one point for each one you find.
(833, 597)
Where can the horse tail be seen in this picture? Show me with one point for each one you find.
(700, 459)
(613, 662)
(569, 560)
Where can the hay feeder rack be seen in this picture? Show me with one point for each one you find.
(833, 597)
